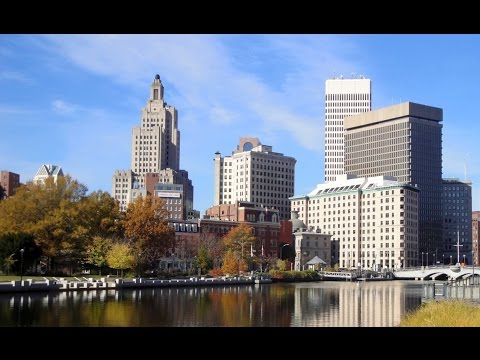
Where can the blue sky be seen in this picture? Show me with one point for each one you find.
(72, 100)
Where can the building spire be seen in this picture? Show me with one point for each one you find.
(156, 92)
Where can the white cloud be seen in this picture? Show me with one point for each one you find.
(63, 107)
(14, 76)
(221, 115)
(8, 109)
(201, 74)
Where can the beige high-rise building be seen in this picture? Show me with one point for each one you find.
(255, 173)
(374, 220)
(404, 141)
(343, 97)
(155, 154)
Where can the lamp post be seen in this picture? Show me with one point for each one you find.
(434, 257)
(450, 259)
(21, 264)
(443, 259)
(427, 259)
(281, 250)
(422, 259)
(473, 268)
(464, 260)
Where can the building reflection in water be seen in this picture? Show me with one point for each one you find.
(372, 304)
(301, 304)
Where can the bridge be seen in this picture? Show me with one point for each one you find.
(452, 272)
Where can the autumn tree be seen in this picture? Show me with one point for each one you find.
(239, 239)
(100, 215)
(147, 230)
(96, 252)
(232, 264)
(47, 211)
(120, 257)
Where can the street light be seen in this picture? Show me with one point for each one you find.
(463, 259)
(281, 250)
(450, 259)
(21, 264)
(427, 259)
(434, 257)
(422, 259)
(443, 259)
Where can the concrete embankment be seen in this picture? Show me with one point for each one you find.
(63, 285)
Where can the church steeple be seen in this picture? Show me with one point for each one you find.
(156, 92)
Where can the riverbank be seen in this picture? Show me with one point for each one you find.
(118, 284)
(445, 313)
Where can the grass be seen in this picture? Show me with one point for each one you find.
(445, 313)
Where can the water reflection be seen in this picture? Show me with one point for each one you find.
(301, 304)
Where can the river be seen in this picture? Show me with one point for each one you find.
(312, 304)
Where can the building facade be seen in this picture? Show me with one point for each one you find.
(9, 183)
(256, 174)
(343, 97)
(155, 156)
(457, 222)
(47, 170)
(374, 220)
(476, 236)
(242, 211)
(309, 244)
(404, 141)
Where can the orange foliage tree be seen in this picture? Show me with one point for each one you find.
(238, 242)
(232, 264)
(147, 230)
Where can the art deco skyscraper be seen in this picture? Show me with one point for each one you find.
(155, 158)
(343, 97)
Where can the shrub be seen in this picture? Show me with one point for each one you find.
(216, 272)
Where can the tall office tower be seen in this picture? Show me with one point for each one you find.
(374, 220)
(343, 97)
(404, 141)
(457, 222)
(475, 236)
(155, 155)
(9, 182)
(257, 174)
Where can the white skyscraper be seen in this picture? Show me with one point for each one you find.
(343, 97)
(255, 173)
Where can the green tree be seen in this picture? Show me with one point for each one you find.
(96, 252)
(120, 257)
(147, 230)
(204, 261)
(10, 255)
(281, 265)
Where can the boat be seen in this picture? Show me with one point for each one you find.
(455, 268)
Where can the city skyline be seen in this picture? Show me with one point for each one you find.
(64, 97)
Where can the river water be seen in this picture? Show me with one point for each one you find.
(312, 304)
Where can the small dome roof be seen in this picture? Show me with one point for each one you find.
(296, 222)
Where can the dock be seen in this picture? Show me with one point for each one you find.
(118, 284)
